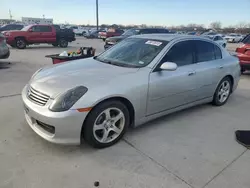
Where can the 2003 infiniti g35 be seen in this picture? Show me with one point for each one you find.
(137, 80)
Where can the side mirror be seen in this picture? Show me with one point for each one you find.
(170, 66)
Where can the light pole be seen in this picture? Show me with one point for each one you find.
(97, 16)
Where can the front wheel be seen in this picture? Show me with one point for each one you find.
(222, 92)
(106, 124)
(63, 43)
(20, 43)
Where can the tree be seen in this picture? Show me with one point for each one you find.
(215, 25)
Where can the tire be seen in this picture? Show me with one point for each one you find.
(63, 43)
(224, 45)
(114, 127)
(242, 71)
(55, 44)
(103, 40)
(20, 43)
(222, 92)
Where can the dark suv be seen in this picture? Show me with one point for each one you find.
(10, 27)
(113, 40)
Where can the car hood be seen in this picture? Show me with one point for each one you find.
(87, 72)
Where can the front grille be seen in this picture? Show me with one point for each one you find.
(37, 97)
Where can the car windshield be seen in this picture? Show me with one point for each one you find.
(232, 35)
(131, 32)
(132, 52)
(26, 28)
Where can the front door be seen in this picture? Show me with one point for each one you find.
(171, 89)
(35, 34)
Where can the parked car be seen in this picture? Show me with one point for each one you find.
(110, 33)
(81, 31)
(4, 49)
(37, 34)
(218, 39)
(93, 34)
(233, 37)
(10, 27)
(139, 79)
(113, 40)
(243, 53)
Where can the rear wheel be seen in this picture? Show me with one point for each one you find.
(63, 43)
(222, 92)
(20, 43)
(106, 124)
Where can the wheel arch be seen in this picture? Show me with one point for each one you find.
(21, 37)
(124, 100)
(231, 79)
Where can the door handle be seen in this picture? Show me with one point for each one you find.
(220, 67)
(191, 73)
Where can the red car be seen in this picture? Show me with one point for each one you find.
(110, 33)
(37, 34)
(243, 53)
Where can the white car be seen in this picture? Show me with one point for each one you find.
(218, 39)
(233, 37)
(80, 31)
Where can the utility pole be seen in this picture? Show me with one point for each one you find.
(10, 14)
(97, 16)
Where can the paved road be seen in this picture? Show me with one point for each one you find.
(194, 148)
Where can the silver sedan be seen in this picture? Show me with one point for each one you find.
(137, 80)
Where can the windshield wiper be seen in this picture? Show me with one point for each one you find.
(116, 63)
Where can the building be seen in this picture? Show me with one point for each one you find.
(28, 21)
(6, 21)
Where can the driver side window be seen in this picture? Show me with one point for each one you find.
(181, 54)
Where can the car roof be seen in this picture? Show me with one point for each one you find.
(167, 37)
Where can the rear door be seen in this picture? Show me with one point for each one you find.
(47, 34)
(209, 68)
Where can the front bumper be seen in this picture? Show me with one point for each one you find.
(67, 125)
(4, 51)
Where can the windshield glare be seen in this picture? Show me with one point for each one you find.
(133, 52)
(131, 32)
(26, 28)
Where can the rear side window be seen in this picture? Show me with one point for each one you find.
(205, 51)
(217, 52)
(181, 54)
(45, 29)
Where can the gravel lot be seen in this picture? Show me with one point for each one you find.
(194, 148)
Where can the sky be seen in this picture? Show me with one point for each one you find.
(150, 12)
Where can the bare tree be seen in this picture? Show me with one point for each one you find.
(215, 25)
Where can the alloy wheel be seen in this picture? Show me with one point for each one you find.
(109, 125)
(224, 91)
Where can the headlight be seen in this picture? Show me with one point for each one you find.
(65, 101)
